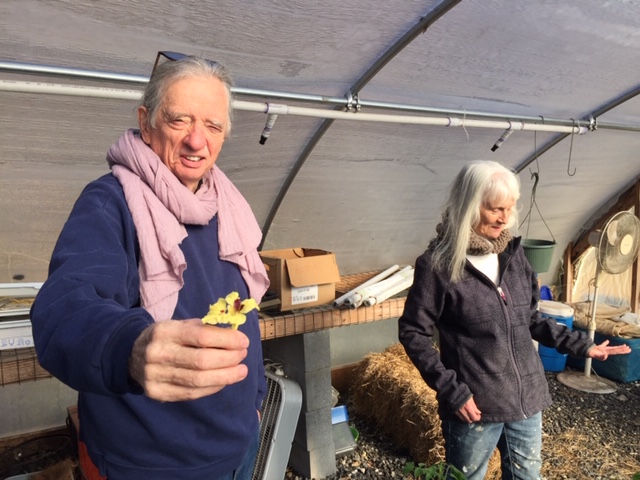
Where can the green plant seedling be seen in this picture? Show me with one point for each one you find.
(439, 471)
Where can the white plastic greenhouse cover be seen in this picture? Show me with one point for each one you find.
(369, 191)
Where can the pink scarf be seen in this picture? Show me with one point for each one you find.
(160, 206)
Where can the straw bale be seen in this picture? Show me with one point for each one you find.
(388, 391)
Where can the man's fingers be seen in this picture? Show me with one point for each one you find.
(196, 334)
(183, 360)
(182, 384)
(194, 359)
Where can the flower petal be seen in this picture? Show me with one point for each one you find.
(231, 302)
(217, 312)
(237, 319)
(249, 304)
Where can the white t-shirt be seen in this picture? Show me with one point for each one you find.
(487, 264)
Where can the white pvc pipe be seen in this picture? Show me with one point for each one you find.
(591, 326)
(314, 98)
(357, 297)
(363, 294)
(381, 276)
(406, 283)
(380, 288)
(73, 90)
(404, 119)
(269, 108)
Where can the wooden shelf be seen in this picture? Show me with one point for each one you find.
(21, 365)
(320, 318)
(278, 325)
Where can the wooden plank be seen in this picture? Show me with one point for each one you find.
(567, 282)
(321, 318)
(9, 442)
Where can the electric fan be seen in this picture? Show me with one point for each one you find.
(616, 247)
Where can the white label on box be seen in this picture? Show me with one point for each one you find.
(307, 294)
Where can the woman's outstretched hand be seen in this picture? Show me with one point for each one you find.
(602, 351)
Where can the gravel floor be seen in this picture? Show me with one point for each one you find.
(585, 436)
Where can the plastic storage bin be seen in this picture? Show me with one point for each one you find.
(621, 368)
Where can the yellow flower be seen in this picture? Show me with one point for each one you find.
(217, 313)
(230, 309)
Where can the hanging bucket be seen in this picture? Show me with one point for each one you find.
(539, 253)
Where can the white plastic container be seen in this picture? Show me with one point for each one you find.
(552, 360)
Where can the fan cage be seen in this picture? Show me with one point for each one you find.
(272, 401)
(619, 243)
(280, 411)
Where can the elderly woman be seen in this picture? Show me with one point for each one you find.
(145, 252)
(475, 286)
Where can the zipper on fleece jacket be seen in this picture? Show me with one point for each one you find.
(502, 295)
(504, 298)
(488, 281)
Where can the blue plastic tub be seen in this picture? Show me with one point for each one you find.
(621, 368)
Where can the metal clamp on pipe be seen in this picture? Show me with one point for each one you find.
(351, 98)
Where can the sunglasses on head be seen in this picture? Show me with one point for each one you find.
(164, 56)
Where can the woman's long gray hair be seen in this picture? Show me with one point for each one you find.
(478, 183)
(168, 72)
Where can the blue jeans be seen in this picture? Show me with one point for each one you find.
(469, 446)
(245, 470)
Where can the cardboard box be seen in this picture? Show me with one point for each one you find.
(301, 277)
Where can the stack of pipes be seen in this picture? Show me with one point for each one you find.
(391, 281)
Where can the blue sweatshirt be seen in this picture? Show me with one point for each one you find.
(85, 320)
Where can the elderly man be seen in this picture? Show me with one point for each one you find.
(145, 252)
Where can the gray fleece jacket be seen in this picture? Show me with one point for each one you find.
(485, 337)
